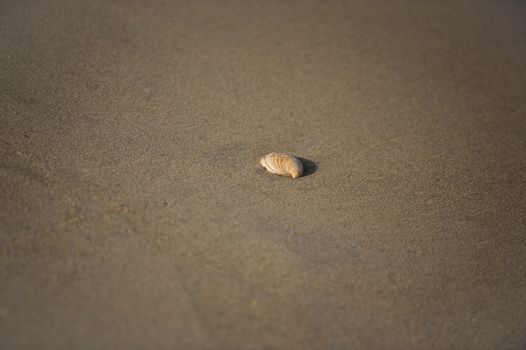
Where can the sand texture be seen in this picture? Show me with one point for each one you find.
(134, 213)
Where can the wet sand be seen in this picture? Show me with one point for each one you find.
(134, 214)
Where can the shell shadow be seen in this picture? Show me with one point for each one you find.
(309, 166)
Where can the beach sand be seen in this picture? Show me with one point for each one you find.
(134, 213)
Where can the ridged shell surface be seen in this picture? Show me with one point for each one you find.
(283, 164)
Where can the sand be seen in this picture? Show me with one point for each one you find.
(134, 213)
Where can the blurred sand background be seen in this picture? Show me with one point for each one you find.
(134, 214)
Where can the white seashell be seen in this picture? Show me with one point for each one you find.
(282, 164)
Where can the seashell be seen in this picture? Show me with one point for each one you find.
(282, 164)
